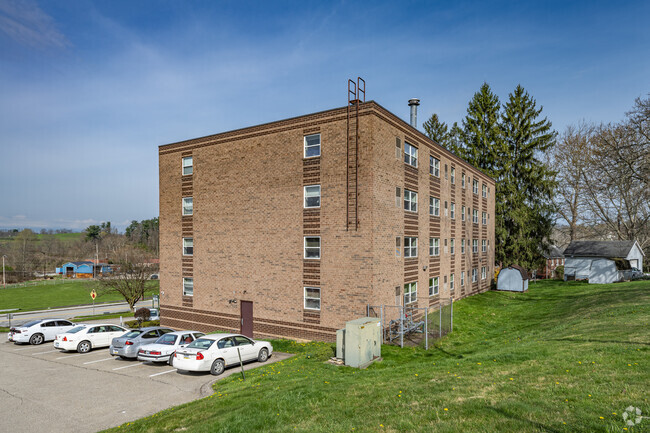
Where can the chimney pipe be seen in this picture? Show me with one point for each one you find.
(413, 103)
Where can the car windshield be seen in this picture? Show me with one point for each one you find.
(167, 339)
(201, 343)
(32, 323)
(132, 334)
(75, 329)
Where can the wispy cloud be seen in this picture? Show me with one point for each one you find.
(27, 24)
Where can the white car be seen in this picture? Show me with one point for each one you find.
(164, 347)
(83, 338)
(38, 331)
(215, 352)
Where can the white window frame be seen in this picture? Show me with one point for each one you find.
(191, 240)
(462, 278)
(434, 166)
(305, 197)
(453, 175)
(452, 210)
(305, 247)
(462, 180)
(410, 200)
(462, 246)
(483, 245)
(474, 275)
(305, 298)
(410, 154)
(462, 214)
(411, 247)
(412, 292)
(184, 206)
(187, 167)
(306, 146)
(475, 186)
(191, 281)
(475, 245)
(434, 286)
(484, 190)
(451, 282)
(484, 218)
(452, 246)
(483, 273)
(434, 247)
(475, 216)
(446, 208)
(434, 206)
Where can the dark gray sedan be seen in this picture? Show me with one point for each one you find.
(128, 344)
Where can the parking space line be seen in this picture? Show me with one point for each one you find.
(99, 360)
(49, 351)
(70, 356)
(129, 366)
(164, 372)
(26, 348)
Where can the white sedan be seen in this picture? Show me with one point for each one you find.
(85, 337)
(164, 347)
(215, 352)
(38, 331)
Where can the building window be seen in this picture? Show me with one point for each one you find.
(398, 196)
(462, 213)
(188, 167)
(484, 188)
(188, 246)
(188, 206)
(410, 247)
(453, 175)
(410, 292)
(475, 186)
(462, 180)
(452, 211)
(474, 276)
(483, 273)
(446, 208)
(446, 171)
(462, 278)
(462, 246)
(484, 218)
(312, 145)
(452, 246)
(312, 247)
(410, 200)
(312, 196)
(188, 286)
(451, 282)
(434, 246)
(446, 246)
(434, 206)
(398, 246)
(410, 154)
(434, 286)
(312, 298)
(434, 166)
(483, 245)
(475, 245)
(475, 216)
(398, 148)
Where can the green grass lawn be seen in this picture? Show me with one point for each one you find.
(563, 357)
(74, 292)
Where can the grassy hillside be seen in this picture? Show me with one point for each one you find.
(564, 357)
(44, 296)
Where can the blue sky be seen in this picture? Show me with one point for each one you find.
(90, 89)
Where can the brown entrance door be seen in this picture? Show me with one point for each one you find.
(246, 318)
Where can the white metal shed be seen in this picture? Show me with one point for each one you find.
(513, 279)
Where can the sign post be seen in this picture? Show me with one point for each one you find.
(93, 295)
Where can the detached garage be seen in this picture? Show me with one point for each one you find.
(601, 262)
(513, 279)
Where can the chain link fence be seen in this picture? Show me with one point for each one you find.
(414, 326)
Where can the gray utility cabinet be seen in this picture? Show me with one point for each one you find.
(360, 342)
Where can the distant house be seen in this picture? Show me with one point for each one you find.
(554, 258)
(83, 269)
(601, 262)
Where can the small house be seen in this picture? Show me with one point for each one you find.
(554, 258)
(83, 269)
(601, 262)
(513, 279)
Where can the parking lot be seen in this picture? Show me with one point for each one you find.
(44, 389)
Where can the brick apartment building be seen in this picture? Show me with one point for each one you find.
(291, 228)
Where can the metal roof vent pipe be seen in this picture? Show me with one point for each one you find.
(413, 103)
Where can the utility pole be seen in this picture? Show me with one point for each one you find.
(4, 281)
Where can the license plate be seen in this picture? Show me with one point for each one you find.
(186, 357)
(114, 352)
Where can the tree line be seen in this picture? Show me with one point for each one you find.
(592, 179)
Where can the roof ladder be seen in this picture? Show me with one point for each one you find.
(356, 91)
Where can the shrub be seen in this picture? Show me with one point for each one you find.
(139, 324)
(559, 272)
(142, 314)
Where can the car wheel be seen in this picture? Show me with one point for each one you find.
(83, 347)
(36, 339)
(263, 356)
(217, 367)
(171, 360)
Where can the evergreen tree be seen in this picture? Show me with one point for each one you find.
(437, 131)
(525, 185)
